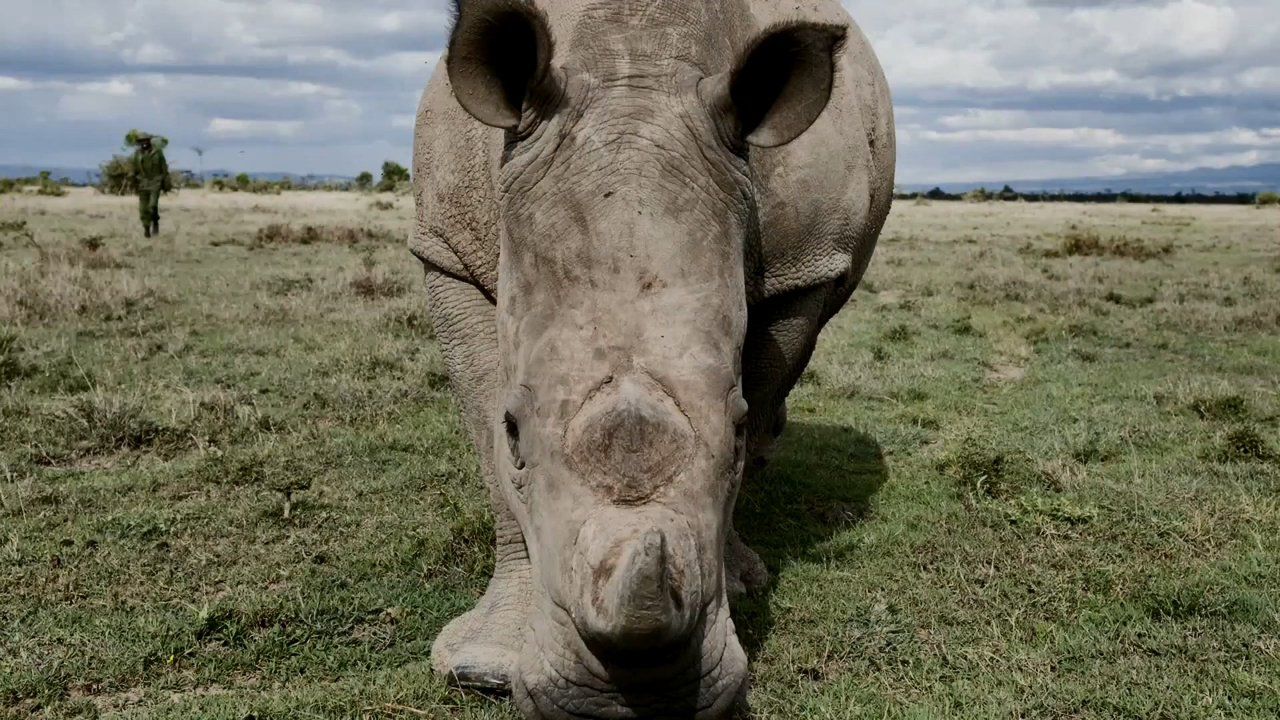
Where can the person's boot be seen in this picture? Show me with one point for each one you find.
(146, 230)
(155, 226)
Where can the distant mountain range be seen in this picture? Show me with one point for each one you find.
(1229, 180)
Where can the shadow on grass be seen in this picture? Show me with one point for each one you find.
(820, 482)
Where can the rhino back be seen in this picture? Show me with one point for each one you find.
(823, 197)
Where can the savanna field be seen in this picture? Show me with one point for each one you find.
(1033, 470)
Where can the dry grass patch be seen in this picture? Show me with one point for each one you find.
(1089, 243)
(68, 282)
(287, 234)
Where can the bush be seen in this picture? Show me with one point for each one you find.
(118, 176)
(393, 174)
(1266, 198)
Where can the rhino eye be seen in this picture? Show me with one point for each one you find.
(513, 440)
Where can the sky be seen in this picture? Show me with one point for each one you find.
(982, 89)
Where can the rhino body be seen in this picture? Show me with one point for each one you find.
(635, 217)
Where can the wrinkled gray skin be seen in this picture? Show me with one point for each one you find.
(635, 217)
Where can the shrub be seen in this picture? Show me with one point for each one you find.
(980, 469)
(1266, 198)
(1088, 243)
(118, 176)
(1221, 408)
(374, 284)
(393, 174)
(1244, 444)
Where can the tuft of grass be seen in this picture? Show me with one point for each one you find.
(980, 469)
(1129, 300)
(100, 424)
(382, 205)
(14, 227)
(1088, 243)
(287, 234)
(1244, 443)
(12, 366)
(962, 326)
(289, 284)
(1221, 408)
(410, 322)
(899, 333)
(375, 283)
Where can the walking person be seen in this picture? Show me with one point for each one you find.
(153, 179)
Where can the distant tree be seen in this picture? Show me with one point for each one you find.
(364, 180)
(199, 151)
(243, 181)
(980, 195)
(46, 186)
(393, 173)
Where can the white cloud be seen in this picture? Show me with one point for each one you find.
(114, 86)
(1080, 137)
(1188, 29)
(13, 83)
(237, 128)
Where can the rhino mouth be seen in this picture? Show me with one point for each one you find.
(561, 678)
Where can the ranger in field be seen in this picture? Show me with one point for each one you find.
(153, 178)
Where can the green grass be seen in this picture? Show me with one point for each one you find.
(1024, 475)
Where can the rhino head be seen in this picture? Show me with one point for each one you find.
(629, 232)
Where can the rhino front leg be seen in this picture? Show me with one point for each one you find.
(479, 648)
(781, 335)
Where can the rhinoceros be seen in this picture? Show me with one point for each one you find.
(634, 218)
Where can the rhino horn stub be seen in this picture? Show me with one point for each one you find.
(630, 441)
(638, 593)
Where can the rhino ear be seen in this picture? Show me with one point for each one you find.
(499, 59)
(779, 85)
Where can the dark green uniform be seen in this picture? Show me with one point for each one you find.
(153, 178)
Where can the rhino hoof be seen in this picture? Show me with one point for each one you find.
(486, 669)
(745, 572)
